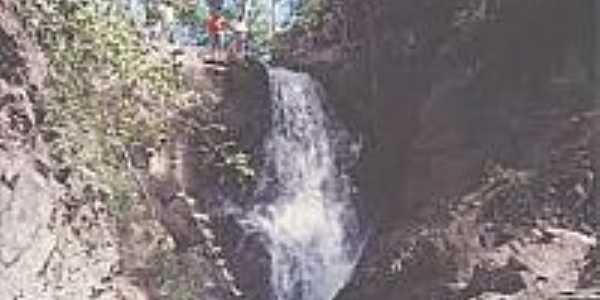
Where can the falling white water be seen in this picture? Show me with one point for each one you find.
(308, 220)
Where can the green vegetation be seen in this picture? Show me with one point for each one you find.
(311, 14)
(181, 277)
(106, 92)
(268, 22)
(266, 19)
(108, 89)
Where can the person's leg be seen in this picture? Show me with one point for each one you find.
(239, 46)
(213, 45)
(171, 33)
(243, 45)
(220, 45)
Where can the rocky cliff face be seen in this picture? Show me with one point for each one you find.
(53, 244)
(59, 239)
(443, 92)
(193, 199)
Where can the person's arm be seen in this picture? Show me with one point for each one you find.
(225, 25)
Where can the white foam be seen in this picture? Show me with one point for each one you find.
(307, 225)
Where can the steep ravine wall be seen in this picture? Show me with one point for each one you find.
(55, 243)
(198, 202)
(60, 240)
(414, 77)
(448, 97)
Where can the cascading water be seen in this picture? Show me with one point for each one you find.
(307, 220)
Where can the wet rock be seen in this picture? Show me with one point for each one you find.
(436, 108)
(492, 249)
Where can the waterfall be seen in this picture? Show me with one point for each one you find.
(306, 216)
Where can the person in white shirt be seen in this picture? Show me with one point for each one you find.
(240, 30)
(167, 19)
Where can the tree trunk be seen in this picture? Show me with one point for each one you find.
(242, 9)
(272, 18)
(595, 115)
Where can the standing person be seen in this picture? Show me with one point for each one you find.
(215, 26)
(167, 19)
(240, 42)
(239, 46)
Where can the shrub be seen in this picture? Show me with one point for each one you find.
(106, 90)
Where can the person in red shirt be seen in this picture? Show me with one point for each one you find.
(215, 26)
